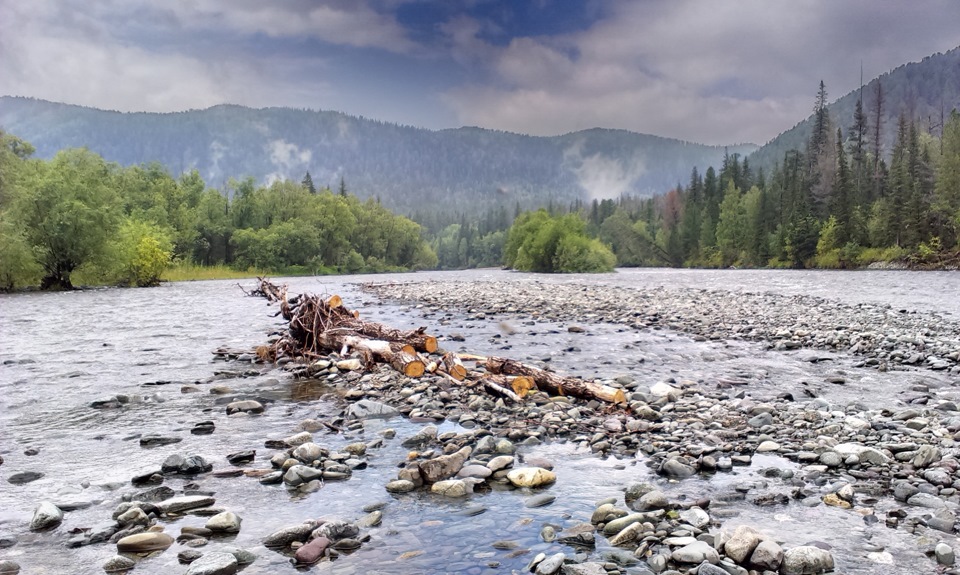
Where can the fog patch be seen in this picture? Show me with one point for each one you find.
(287, 159)
(603, 177)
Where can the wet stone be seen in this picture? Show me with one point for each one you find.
(118, 563)
(24, 477)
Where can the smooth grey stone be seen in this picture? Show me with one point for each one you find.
(805, 560)
(216, 563)
(24, 477)
(244, 406)
(368, 409)
(551, 565)
(184, 503)
(119, 563)
(46, 516)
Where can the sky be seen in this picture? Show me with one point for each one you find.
(706, 71)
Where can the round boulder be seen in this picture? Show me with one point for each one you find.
(531, 477)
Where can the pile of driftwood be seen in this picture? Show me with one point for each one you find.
(318, 326)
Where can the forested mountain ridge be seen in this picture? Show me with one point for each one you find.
(925, 92)
(407, 168)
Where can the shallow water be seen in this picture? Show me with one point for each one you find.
(59, 352)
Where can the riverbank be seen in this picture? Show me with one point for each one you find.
(882, 336)
(720, 441)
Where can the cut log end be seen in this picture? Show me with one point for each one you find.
(522, 385)
(335, 301)
(430, 344)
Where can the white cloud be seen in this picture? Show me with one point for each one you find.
(345, 23)
(709, 72)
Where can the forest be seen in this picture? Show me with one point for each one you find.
(842, 201)
(78, 219)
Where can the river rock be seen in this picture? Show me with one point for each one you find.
(866, 454)
(926, 456)
(768, 555)
(444, 466)
(708, 569)
(336, 530)
(226, 522)
(185, 465)
(400, 486)
(531, 477)
(216, 563)
(203, 428)
(118, 563)
(590, 568)
(8, 567)
(676, 469)
(241, 457)
(500, 462)
(696, 552)
(24, 477)
(144, 542)
(284, 537)
(422, 438)
(244, 406)
(133, 516)
(551, 565)
(184, 503)
(541, 500)
(652, 500)
(696, 517)
(243, 556)
(475, 471)
(944, 554)
(450, 488)
(741, 543)
(46, 516)
(806, 560)
(300, 474)
(368, 409)
(312, 551)
(309, 452)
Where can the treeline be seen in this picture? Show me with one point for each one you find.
(78, 216)
(841, 202)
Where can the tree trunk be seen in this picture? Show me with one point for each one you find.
(555, 384)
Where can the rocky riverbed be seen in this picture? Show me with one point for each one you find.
(726, 459)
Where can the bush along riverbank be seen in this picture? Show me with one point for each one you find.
(897, 469)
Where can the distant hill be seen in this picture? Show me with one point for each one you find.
(410, 169)
(920, 90)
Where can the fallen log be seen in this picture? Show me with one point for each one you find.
(372, 351)
(453, 366)
(499, 385)
(418, 338)
(556, 384)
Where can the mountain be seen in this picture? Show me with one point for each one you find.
(407, 168)
(920, 90)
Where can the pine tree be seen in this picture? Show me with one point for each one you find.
(877, 143)
(343, 188)
(840, 200)
(857, 136)
(307, 183)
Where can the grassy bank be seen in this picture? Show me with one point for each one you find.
(191, 272)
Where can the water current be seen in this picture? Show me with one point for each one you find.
(61, 351)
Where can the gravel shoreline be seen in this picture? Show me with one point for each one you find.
(898, 469)
(884, 337)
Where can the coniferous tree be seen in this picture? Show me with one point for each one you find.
(307, 183)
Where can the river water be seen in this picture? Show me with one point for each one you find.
(61, 351)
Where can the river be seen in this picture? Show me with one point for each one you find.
(61, 351)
